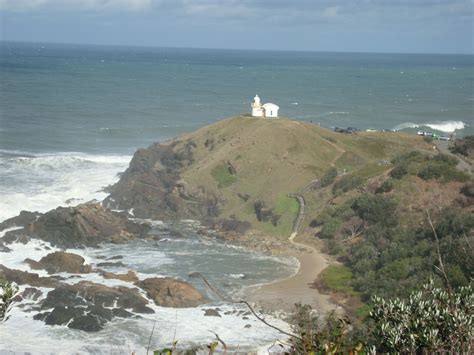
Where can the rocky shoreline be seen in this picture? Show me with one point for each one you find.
(87, 305)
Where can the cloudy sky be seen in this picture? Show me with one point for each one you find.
(413, 26)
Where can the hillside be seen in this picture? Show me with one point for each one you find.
(242, 169)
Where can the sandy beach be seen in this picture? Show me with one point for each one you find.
(281, 295)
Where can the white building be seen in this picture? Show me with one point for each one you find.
(266, 110)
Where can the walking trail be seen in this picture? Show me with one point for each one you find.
(283, 294)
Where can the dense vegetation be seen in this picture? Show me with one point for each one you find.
(387, 253)
(463, 146)
(427, 167)
(432, 320)
(389, 259)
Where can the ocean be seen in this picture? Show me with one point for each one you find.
(71, 117)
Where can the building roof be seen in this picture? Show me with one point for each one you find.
(270, 105)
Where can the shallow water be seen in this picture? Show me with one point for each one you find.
(228, 268)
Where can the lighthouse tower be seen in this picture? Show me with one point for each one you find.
(257, 108)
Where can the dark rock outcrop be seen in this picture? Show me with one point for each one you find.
(232, 225)
(211, 313)
(31, 293)
(168, 292)
(265, 214)
(83, 225)
(153, 188)
(89, 306)
(111, 264)
(22, 220)
(61, 262)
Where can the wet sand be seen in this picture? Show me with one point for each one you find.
(283, 294)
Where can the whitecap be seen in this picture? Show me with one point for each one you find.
(446, 126)
(40, 182)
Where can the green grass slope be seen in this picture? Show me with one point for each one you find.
(243, 160)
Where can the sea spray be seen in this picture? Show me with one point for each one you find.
(442, 126)
(40, 182)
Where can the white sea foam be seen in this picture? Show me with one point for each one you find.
(188, 326)
(442, 126)
(446, 126)
(40, 182)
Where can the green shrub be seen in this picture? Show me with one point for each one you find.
(386, 186)
(463, 146)
(328, 177)
(468, 190)
(431, 171)
(449, 160)
(413, 156)
(398, 172)
(429, 321)
(222, 175)
(330, 228)
(8, 290)
(347, 183)
(376, 209)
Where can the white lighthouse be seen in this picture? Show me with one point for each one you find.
(268, 110)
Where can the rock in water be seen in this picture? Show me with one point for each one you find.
(168, 292)
(129, 276)
(211, 313)
(89, 306)
(23, 277)
(61, 262)
(23, 219)
(84, 225)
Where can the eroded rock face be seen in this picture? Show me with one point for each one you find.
(129, 276)
(27, 278)
(153, 188)
(23, 219)
(168, 292)
(61, 262)
(89, 306)
(80, 226)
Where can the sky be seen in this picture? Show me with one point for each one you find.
(403, 26)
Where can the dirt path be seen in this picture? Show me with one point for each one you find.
(463, 165)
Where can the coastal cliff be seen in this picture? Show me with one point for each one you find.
(240, 171)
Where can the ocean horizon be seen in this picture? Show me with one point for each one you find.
(71, 117)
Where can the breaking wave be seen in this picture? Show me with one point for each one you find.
(442, 126)
(40, 182)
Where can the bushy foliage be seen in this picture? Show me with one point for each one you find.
(386, 186)
(8, 290)
(390, 260)
(399, 171)
(376, 209)
(468, 190)
(427, 167)
(347, 183)
(428, 321)
(332, 335)
(463, 146)
(329, 177)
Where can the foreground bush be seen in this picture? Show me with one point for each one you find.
(431, 320)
